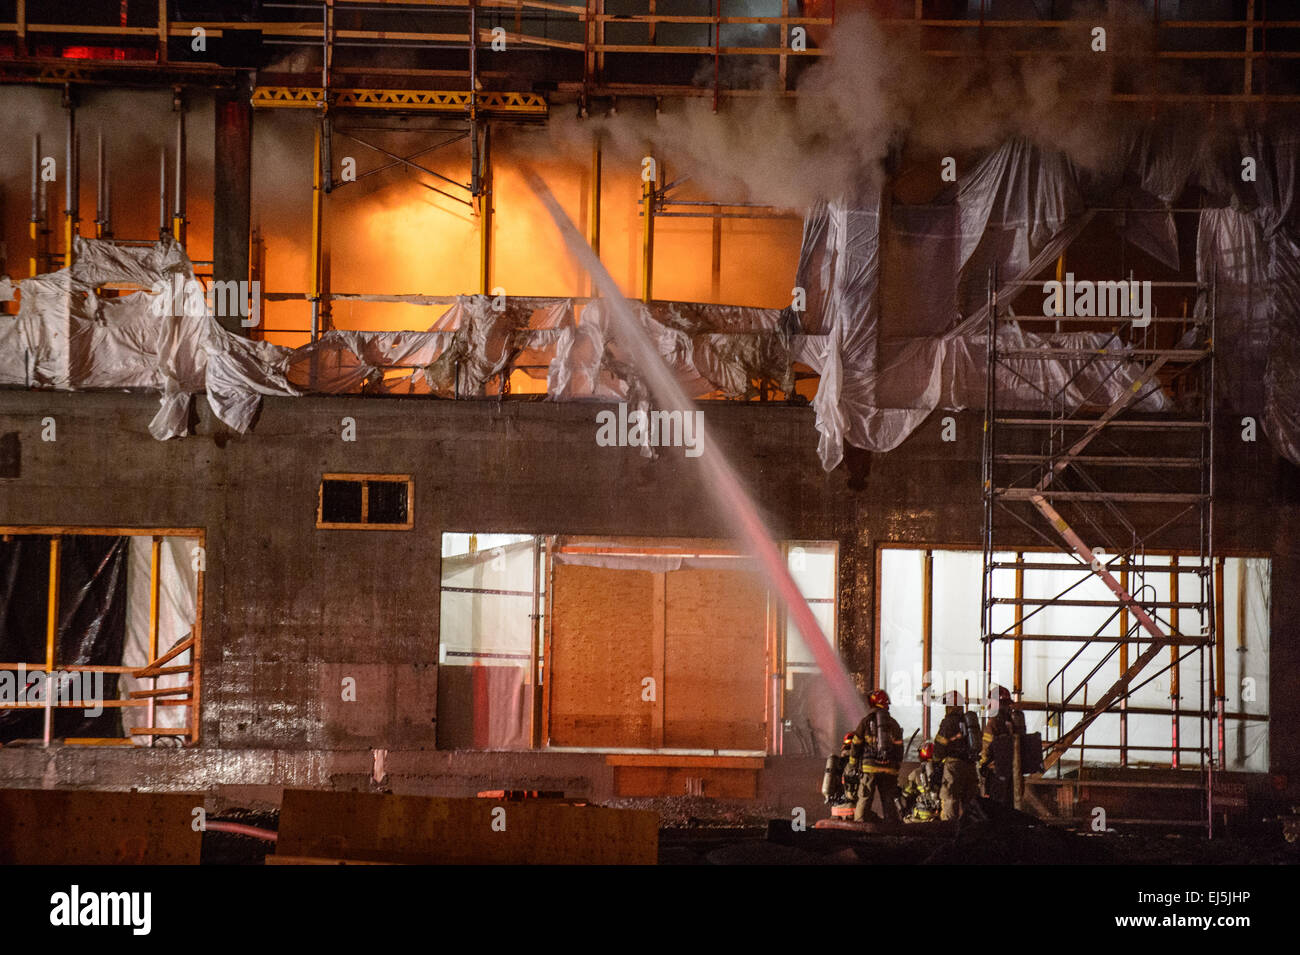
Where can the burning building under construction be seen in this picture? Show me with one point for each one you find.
(592, 410)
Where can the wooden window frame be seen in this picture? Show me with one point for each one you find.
(364, 480)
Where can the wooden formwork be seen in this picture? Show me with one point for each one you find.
(73, 827)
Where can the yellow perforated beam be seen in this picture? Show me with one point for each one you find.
(436, 101)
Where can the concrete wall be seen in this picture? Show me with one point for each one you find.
(290, 610)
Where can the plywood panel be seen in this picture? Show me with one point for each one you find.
(372, 827)
(601, 650)
(71, 827)
(715, 641)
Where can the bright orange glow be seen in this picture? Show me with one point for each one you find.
(388, 234)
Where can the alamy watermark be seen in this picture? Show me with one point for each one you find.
(225, 299)
(928, 688)
(653, 429)
(60, 687)
(75, 907)
(1089, 299)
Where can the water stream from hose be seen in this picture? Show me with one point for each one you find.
(721, 478)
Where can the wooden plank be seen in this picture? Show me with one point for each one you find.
(927, 631)
(364, 527)
(155, 583)
(177, 650)
(90, 29)
(81, 530)
(51, 632)
(162, 671)
(196, 634)
(161, 691)
(376, 827)
(524, 39)
(97, 741)
(73, 827)
(535, 651)
(162, 31)
(658, 649)
(774, 654)
(71, 669)
(692, 762)
(316, 860)
(77, 705)
(154, 731)
(393, 478)
(548, 648)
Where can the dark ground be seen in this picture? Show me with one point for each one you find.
(699, 831)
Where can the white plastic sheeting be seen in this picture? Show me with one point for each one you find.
(471, 342)
(886, 365)
(1246, 683)
(1251, 246)
(810, 717)
(177, 600)
(886, 360)
(890, 356)
(709, 347)
(67, 337)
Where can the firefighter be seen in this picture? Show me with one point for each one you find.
(952, 746)
(877, 754)
(996, 754)
(921, 796)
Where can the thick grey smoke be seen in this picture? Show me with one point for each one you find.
(870, 94)
(135, 125)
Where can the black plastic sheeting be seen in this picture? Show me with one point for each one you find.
(91, 628)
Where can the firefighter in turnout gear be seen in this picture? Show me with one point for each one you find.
(877, 754)
(952, 747)
(921, 796)
(996, 754)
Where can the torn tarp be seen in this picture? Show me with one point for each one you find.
(1251, 248)
(889, 357)
(709, 348)
(67, 336)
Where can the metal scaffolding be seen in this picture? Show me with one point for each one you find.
(582, 49)
(1065, 472)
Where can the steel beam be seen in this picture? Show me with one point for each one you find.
(72, 183)
(51, 635)
(648, 189)
(485, 215)
(317, 293)
(178, 205)
(232, 188)
(458, 102)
